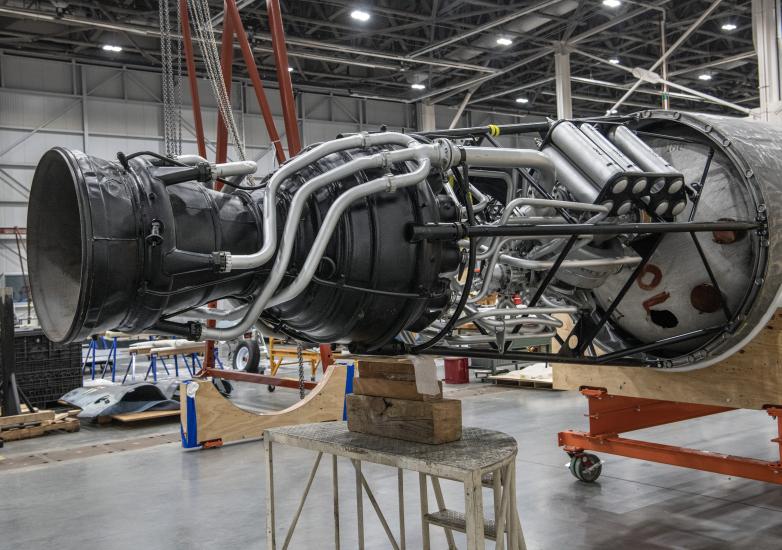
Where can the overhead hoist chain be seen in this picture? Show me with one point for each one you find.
(300, 357)
(170, 83)
(202, 23)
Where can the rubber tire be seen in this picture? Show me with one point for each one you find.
(253, 360)
(223, 386)
(585, 467)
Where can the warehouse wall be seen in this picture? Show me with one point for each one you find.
(103, 110)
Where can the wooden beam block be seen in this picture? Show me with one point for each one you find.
(395, 389)
(432, 422)
(386, 369)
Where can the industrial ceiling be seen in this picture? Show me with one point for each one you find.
(501, 53)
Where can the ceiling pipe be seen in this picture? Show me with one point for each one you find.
(716, 63)
(459, 110)
(653, 78)
(516, 89)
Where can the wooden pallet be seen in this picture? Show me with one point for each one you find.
(524, 378)
(36, 424)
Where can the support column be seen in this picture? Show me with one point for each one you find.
(562, 76)
(425, 115)
(766, 35)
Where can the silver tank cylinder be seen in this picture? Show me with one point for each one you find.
(639, 185)
(674, 294)
(569, 176)
(643, 155)
(595, 163)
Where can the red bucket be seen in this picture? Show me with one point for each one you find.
(456, 371)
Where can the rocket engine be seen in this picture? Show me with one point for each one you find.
(655, 235)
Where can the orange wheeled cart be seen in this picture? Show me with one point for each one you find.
(622, 399)
(610, 416)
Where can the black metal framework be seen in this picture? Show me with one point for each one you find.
(578, 346)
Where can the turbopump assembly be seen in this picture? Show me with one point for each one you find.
(654, 236)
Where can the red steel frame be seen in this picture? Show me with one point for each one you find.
(232, 14)
(611, 415)
(232, 27)
(187, 40)
(284, 76)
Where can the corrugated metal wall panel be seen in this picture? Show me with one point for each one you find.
(37, 74)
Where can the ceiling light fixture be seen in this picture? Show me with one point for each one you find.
(612, 3)
(729, 27)
(614, 61)
(502, 41)
(290, 69)
(418, 86)
(360, 15)
(112, 48)
(612, 111)
(522, 100)
(704, 76)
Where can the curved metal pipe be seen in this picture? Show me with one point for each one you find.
(257, 259)
(497, 157)
(385, 183)
(545, 264)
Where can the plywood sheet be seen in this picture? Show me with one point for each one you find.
(219, 419)
(750, 379)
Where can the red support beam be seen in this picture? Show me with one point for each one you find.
(612, 414)
(736, 466)
(187, 41)
(284, 76)
(232, 14)
(326, 356)
(242, 376)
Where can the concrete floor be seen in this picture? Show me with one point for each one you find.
(161, 497)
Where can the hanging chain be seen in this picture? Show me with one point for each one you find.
(300, 357)
(171, 140)
(202, 23)
(178, 101)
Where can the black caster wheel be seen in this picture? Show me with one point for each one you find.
(271, 388)
(585, 467)
(223, 386)
(312, 378)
